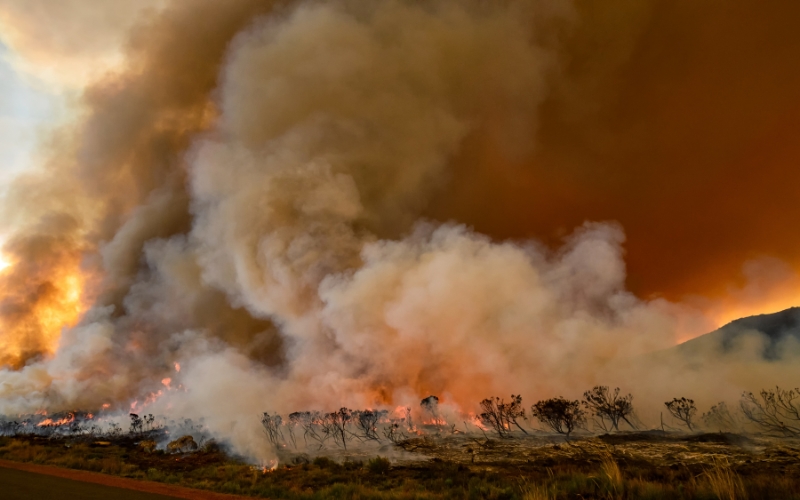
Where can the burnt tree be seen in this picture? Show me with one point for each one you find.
(776, 412)
(683, 409)
(272, 428)
(607, 407)
(335, 425)
(501, 415)
(720, 418)
(366, 423)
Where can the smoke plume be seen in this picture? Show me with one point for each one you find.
(239, 221)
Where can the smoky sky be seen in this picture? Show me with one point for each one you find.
(677, 119)
(315, 204)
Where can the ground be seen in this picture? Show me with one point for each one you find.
(649, 465)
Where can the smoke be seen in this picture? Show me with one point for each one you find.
(247, 201)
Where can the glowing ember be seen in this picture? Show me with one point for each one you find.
(166, 382)
(177, 367)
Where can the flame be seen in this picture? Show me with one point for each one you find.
(48, 422)
(37, 305)
(474, 420)
(177, 367)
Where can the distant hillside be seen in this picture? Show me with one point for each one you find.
(769, 332)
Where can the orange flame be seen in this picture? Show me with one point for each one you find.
(38, 302)
(48, 422)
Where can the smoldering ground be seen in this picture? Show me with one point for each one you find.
(249, 196)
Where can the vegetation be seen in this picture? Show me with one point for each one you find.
(775, 412)
(588, 470)
(608, 408)
(559, 414)
(354, 453)
(683, 409)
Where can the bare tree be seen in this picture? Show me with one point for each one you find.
(501, 415)
(272, 428)
(512, 411)
(395, 431)
(312, 424)
(607, 407)
(720, 418)
(137, 424)
(335, 425)
(775, 411)
(560, 414)
(366, 423)
(490, 417)
(683, 409)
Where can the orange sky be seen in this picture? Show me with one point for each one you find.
(678, 119)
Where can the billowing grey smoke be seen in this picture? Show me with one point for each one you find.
(305, 277)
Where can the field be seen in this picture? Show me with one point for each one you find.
(642, 465)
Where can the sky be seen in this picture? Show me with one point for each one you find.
(26, 106)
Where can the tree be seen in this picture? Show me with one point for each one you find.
(272, 428)
(775, 411)
(431, 406)
(137, 424)
(560, 414)
(501, 415)
(683, 409)
(720, 418)
(608, 407)
(335, 425)
(366, 422)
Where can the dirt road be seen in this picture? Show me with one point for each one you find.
(22, 481)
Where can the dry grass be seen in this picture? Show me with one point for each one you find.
(617, 467)
(538, 492)
(612, 475)
(723, 482)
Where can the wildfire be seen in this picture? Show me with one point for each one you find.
(49, 422)
(37, 305)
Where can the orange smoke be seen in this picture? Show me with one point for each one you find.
(38, 300)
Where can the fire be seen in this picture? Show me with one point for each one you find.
(177, 367)
(476, 421)
(37, 304)
(48, 422)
